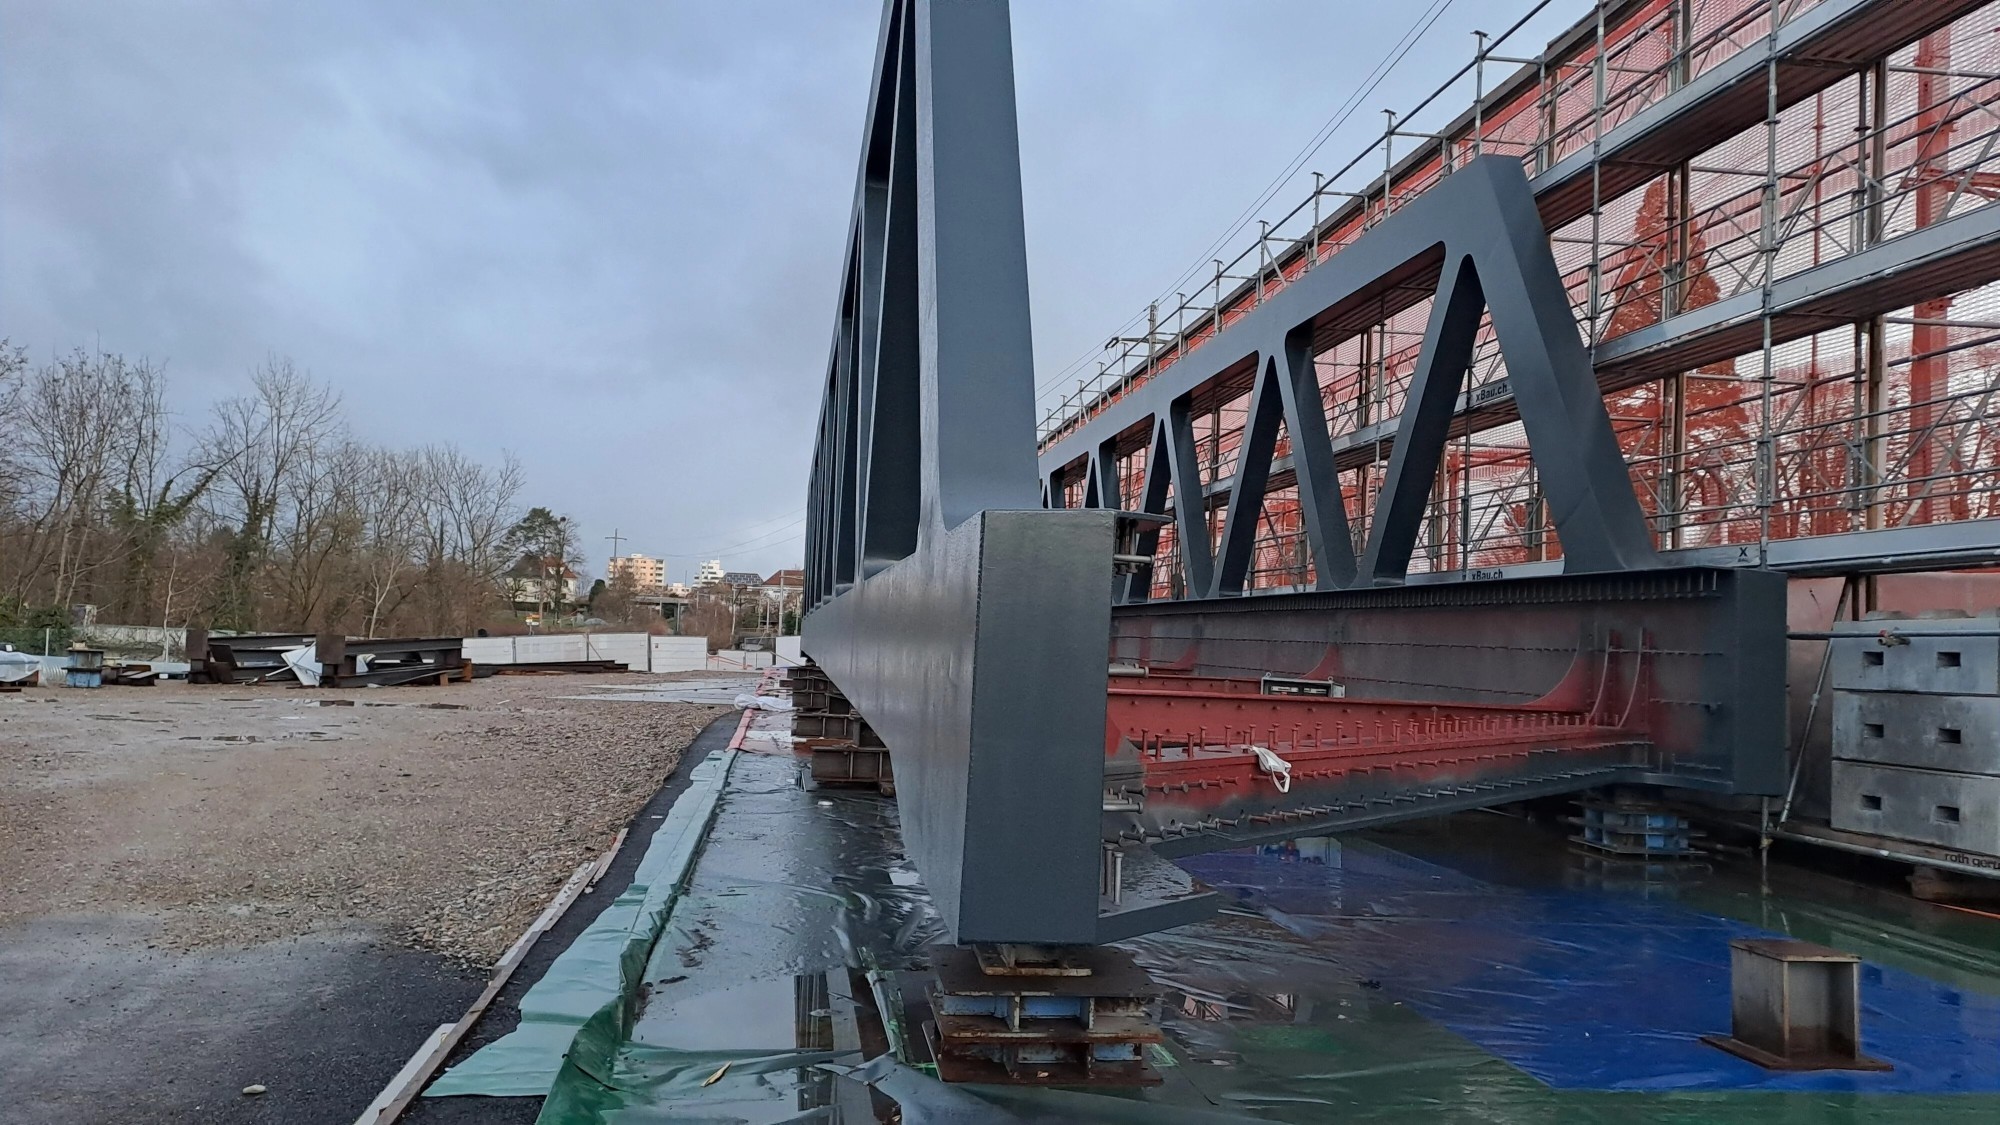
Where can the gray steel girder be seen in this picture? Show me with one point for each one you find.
(973, 628)
(1478, 234)
(1712, 642)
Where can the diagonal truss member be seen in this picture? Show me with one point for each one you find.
(1477, 241)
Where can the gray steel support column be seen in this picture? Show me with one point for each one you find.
(1577, 459)
(1426, 421)
(1322, 507)
(975, 637)
(1190, 507)
(892, 495)
(978, 353)
(1105, 489)
(847, 500)
(1253, 470)
(1153, 500)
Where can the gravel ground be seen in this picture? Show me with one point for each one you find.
(444, 817)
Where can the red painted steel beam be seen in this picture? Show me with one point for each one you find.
(1203, 734)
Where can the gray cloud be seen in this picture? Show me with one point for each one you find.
(604, 236)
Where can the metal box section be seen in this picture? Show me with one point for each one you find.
(1916, 730)
(1933, 732)
(1924, 656)
(1946, 808)
(981, 662)
(1794, 1006)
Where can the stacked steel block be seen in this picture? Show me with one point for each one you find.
(1076, 1016)
(844, 749)
(1916, 730)
(1631, 826)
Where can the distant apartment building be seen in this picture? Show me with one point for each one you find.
(708, 573)
(642, 571)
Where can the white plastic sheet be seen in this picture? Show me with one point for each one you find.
(304, 663)
(16, 667)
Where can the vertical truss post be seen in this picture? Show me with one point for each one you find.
(943, 593)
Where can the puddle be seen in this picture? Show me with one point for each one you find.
(755, 1015)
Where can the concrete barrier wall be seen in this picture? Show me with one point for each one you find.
(679, 654)
(789, 652)
(637, 651)
(557, 646)
(489, 650)
(630, 649)
(735, 659)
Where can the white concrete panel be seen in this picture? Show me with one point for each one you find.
(489, 650)
(679, 654)
(629, 649)
(537, 649)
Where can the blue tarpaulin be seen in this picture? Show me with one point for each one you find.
(1585, 988)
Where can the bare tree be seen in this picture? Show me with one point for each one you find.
(83, 424)
(466, 511)
(13, 493)
(710, 613)
(269, 516)
(318, 536)
(261, 442)
(618, 604)
(155, 495)
(13, 372)
(390, 504)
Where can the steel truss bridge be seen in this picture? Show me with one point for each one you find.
(1476, 480)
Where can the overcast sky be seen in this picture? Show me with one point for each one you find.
(607, 236)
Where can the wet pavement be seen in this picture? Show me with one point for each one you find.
(99, 1026)
(792, 888)
(1473, 969)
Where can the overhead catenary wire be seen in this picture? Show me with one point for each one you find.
(1407, 42)
(789, 517)
(753, 543)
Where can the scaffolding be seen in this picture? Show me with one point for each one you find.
(1760, 390)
